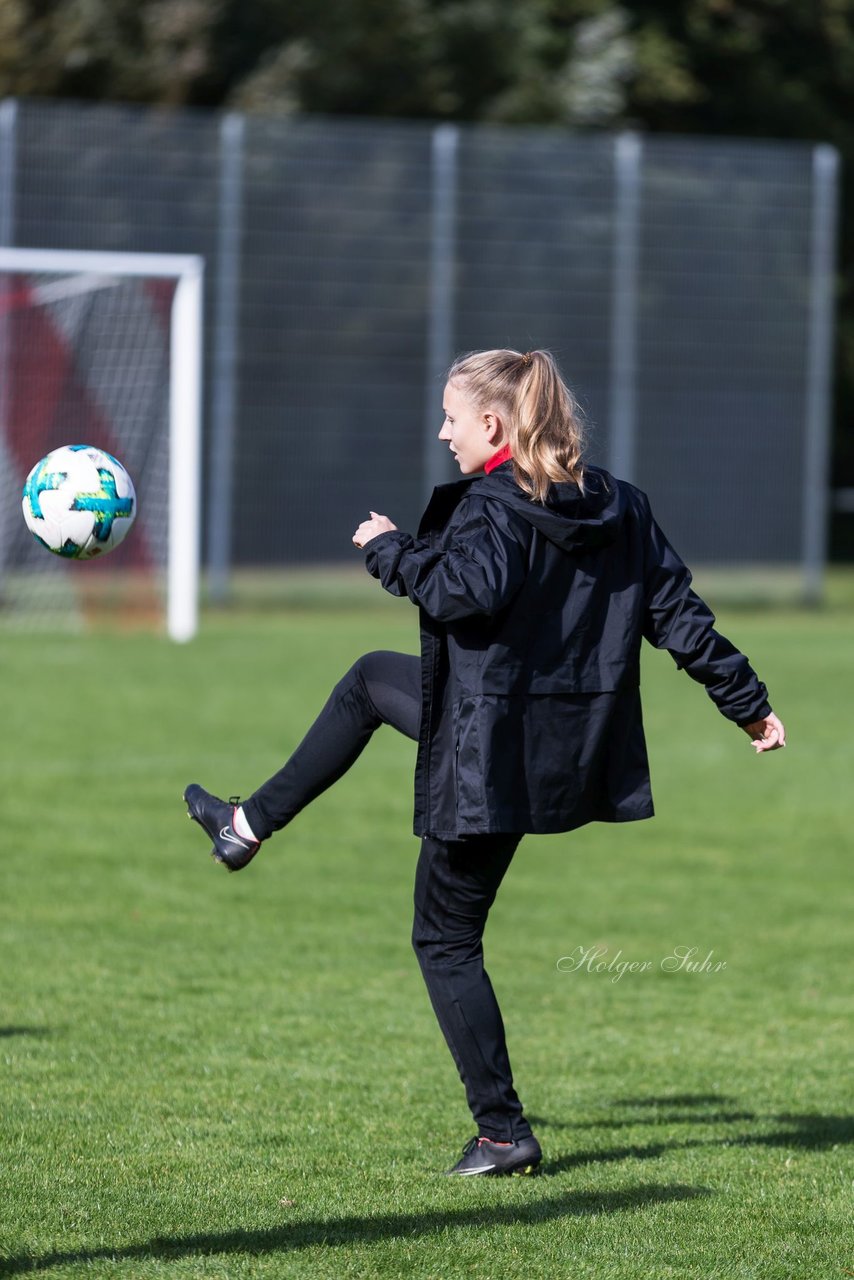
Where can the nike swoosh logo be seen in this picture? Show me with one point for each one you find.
(224, 835)
(467, 1173)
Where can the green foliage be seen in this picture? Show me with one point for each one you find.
(241, 1076)
(151, 52)
(745, 66)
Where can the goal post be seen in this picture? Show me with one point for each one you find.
(76, 298)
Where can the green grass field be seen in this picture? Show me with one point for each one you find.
(234, 1076)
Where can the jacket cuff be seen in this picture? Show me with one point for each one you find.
(372, 549)
(763, 711)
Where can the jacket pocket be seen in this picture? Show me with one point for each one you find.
(470, 799)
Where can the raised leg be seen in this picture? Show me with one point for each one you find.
(381, 688)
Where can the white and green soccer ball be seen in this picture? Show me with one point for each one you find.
(79, 502)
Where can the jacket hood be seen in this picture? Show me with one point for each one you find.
(568, 518)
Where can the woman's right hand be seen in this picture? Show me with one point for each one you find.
(768, 734)
(372, 528)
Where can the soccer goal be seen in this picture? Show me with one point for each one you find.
(103, 349)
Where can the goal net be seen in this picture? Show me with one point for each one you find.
(103, 350)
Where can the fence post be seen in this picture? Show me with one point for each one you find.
(624, 290)
(225, 354)
(8, 130)
(440, 331)
(825, 173)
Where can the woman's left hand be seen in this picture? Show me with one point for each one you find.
(767, 734)
(372, 528)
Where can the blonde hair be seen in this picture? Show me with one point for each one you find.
(543, 420)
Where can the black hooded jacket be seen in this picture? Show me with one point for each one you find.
(532, 618)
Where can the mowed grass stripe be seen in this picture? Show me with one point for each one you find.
(237, 1076)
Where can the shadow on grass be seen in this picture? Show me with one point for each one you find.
(665, 1117)
(801, 1132)
(671, 1117)
(676, 1100)
(357, 1230)
(670, 1100)
(812, 1133)
(24, 1031)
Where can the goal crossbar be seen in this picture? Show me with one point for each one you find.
(185, 400)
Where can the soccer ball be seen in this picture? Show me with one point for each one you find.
(79, 502)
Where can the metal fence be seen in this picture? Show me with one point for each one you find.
(684, 284)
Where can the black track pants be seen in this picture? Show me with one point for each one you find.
(455, 882)
(455, 885)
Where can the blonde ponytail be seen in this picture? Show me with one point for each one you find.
(543, 420)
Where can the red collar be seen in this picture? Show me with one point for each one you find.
(503, 455)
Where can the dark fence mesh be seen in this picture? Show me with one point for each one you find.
(336, 258)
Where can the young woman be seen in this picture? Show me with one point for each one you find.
(536, 576)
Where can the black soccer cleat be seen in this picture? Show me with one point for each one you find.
(483, 1156)
(217, 818)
